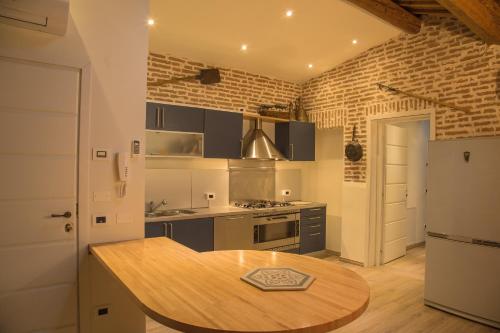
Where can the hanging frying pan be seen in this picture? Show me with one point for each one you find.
(353, 150)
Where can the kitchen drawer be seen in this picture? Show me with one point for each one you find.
(312, 241)
(313, 220)
(312, 212)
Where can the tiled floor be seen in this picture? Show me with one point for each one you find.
(396, 302)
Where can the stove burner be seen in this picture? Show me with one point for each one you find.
(256, 204)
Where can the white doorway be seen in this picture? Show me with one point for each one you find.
(397, 183)
(39, 109)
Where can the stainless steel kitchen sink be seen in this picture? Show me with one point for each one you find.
(170, 212)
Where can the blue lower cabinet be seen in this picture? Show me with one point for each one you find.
(197, 234)
(312, 230)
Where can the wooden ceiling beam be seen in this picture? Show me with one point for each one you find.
(391, 13)
(480, 16)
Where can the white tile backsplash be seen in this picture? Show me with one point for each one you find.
(288, 179)
(216, 181)
(174, 185)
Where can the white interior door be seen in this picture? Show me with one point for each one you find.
(394, 204)
(38, 159)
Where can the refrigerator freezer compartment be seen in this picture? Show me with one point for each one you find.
(463, 278)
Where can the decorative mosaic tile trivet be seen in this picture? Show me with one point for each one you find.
(278, 279)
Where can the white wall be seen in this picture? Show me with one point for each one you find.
(418, 139)
(111, 39)
(322, 181)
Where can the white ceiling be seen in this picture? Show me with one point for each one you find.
(212, 31)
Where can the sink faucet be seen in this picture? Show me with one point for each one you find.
(153, 208)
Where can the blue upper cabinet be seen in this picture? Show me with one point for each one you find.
(166, 117)
(223, 132)
(296, 140)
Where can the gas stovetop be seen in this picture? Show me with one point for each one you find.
(259, 204)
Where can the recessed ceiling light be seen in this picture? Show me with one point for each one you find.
(244, 47)
(310, 66)
(289, 13)
(151, 22)
(355, 41)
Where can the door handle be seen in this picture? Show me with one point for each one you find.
(66, 215)
(157, 117)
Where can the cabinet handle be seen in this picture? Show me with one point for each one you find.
(163, 118)
(168, 227)
(315, 234)
(315, 209)
(292, 152)
(315, 218)
(241, 147)
(235, 218)
(315, 226)
(157, 116)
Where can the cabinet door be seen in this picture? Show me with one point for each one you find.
(302, 136)
(174, 118)
(183, 118)
(196, 234)
(153, 116)
(296, 140)
(223, 132)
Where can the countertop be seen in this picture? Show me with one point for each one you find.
(202, 292)
(230, 210)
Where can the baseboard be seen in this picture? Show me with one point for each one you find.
(333, 253)
(462, 314)
(412, 246)
(353, 262)
(318, 254)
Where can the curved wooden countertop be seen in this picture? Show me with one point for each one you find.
(202, 292)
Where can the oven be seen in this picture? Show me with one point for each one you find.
(276, 231)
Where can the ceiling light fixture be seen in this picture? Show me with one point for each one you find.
(310, 66)
(289, 13)
(355, 41)
(244, 47)
(151, 22)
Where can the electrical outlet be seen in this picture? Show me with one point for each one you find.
(286, 193)
(101, 220)
(102, 311)
(210, 196)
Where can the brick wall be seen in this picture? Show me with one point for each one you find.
(237, 89)
(445, 61)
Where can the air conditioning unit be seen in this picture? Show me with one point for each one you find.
(49, 16)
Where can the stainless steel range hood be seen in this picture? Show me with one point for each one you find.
(258, 146)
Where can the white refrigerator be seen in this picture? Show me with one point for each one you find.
(463, 228)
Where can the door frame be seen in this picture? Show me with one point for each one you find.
(83, 200)
(82, 209)
(375, 174)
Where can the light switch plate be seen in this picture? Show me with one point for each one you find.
(101, 154)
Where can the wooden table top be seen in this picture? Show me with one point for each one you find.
(202, 292)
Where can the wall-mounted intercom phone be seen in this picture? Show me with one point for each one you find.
(123, 172)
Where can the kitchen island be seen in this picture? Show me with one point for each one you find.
(202, 292)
